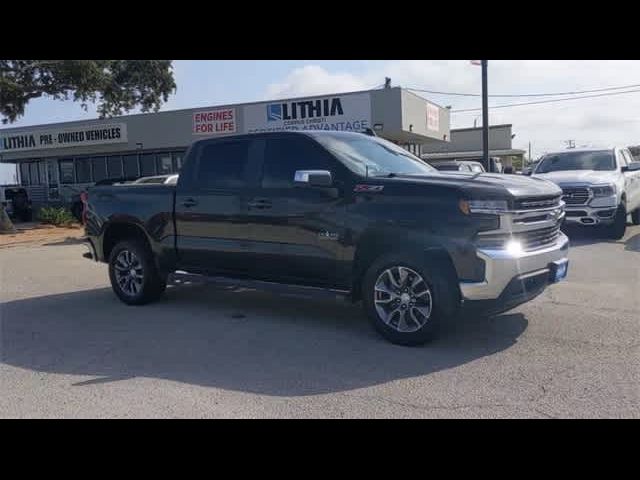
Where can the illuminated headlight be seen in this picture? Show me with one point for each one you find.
(480, 206)
(604, 190)
(513, 247)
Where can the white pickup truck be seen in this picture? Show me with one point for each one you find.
(600, 186)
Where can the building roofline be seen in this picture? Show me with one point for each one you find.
(193, 109)
(502, 125)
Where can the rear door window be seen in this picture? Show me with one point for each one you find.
(223, 165)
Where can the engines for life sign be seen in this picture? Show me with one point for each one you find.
(433, 117)
(337, 112)
(215, 122)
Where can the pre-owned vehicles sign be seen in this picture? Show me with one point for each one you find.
(350, 112)
(61, 138)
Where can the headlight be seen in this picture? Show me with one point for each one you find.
(487, 206)
(604, 190)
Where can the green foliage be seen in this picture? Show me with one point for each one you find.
(60, 217)
(117, 85)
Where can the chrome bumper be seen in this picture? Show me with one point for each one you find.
(502, 267)
(589, 215)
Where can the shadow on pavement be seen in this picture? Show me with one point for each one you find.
(243, 341)
(66, 241)
(582, 236)
(633, 244)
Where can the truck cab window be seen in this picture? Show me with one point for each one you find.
(283, 156)
(222, 165)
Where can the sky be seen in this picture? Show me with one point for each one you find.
(603, 121)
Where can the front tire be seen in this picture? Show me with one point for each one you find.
(406, 301)
(133, 273)
(617, 230)
(635, 216)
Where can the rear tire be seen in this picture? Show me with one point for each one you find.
(134, 276)
(635, 216)
(619, 227)
(403, 314)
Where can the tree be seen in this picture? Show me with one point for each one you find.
(118, 86)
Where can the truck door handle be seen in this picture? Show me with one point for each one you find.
(189, 202)
(260, 203)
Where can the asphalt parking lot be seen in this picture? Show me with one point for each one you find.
(68, 348)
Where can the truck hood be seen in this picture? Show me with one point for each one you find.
(485, 185)
(579, 177)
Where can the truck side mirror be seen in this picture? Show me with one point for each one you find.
(632, 167)
(313, 178)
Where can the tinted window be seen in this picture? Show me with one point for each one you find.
(130, 163)
(283, 156)
(147, 164)
(597, 160)
(83, 170)
(114, 167)
(221, 165)
(99, 168)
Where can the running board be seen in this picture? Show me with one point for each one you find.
(279, 288)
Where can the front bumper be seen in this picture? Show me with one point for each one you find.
(587, 215)
(514, 278)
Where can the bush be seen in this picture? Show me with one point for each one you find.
(60, 217)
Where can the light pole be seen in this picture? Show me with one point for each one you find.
(485, 115)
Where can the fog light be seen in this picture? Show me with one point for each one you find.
(514, 247)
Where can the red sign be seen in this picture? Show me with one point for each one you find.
(214, 122)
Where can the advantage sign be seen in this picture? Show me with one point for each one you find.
(351, 113)
(214, 122)
(63, 138)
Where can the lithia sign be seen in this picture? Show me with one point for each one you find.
(63, 138)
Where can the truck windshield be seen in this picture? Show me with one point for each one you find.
(373, 156)
(596, 160)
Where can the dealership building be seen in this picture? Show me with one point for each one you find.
(56, 161)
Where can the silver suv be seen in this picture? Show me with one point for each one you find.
(600, 186)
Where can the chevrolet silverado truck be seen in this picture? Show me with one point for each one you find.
(343, 214)
(600, 187)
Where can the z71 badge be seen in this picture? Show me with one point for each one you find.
(368, 188)
(328, 236)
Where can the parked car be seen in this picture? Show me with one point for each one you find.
(600, 186)
(337, 214)
(458, 166)
(16, 201)
(159, 179)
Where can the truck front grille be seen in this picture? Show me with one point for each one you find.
(530, 240)
(575, 195)
(536, 203)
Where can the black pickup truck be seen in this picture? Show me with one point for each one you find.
(337, 213)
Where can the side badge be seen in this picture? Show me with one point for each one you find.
(368, 188)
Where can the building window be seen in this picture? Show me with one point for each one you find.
(33, 173)
(147, 165)
(114, 167)
(67, 173)
(177, 161)
(24, 174)
(42, 170)
(99, 166)
(52, 173)
(83, 170)
(130, 163)
(165, 164)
